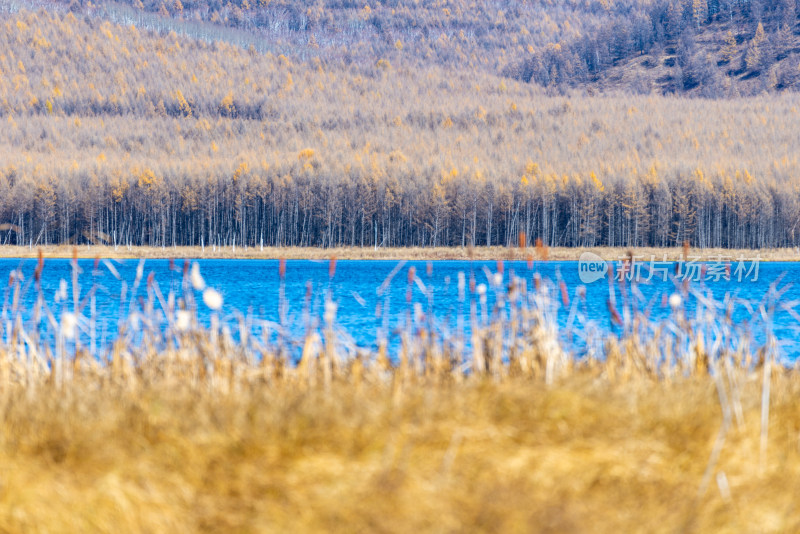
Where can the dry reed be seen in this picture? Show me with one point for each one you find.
(184, 428)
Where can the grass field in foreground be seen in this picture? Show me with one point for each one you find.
(689, 424)
(584, 455)
(408, 253)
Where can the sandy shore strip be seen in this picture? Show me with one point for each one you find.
(410, 253)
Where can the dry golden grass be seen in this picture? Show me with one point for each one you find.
(182, 428)
(396, 253)
(586, 454)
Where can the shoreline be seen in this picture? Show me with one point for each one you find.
(396, 254)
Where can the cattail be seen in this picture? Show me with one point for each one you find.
(282, 268)
(564, 293)
(521, 240)
(500, 267)
(332, 267)
(412, 272)
(615, 318)
(39, 266)
(429, 269)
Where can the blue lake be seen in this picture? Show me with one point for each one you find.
(375, 298)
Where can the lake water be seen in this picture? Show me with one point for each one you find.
(372, 297)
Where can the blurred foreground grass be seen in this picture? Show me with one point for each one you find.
(682, 425)
(383, 454)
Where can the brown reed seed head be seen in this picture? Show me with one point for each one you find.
(39, 267)
(332, 267)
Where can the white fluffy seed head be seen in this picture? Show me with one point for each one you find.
(497, 279)
(196, 278)
(212, 298)
(418, 312)
(61, 293)
(675, 301)
(134, 321)
(481, 289)
(183, 320)
(330, 311)
(69, 323)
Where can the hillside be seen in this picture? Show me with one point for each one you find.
(122, 135)
(709, 48)
(700, 48)
(450, 33)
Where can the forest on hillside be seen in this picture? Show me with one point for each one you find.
(710, 48)
(116, 134)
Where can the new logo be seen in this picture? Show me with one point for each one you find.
(591, 267)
